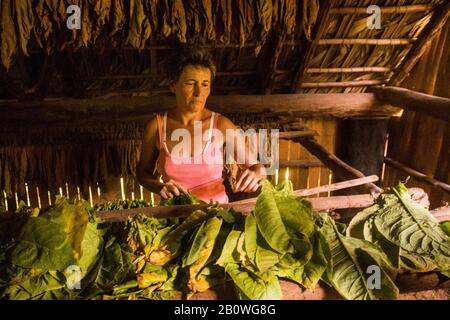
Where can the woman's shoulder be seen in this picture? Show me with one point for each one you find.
(224, 122)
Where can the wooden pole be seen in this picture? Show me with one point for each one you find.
(346, 70)
(360, 41)
(124, 108)
(319, 204)
(387, 9)
(339, 167)
(437, 21)
(438, 107)
(358, 83)
(419, 176)
(325, 188)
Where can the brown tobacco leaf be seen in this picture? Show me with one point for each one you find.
(179, 20)
(140, 29)
(8, 34)
(25, 21)
(117, 16)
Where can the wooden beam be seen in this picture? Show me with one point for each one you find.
(120, 108)
(386, 9)
(419, 176)
(309, 46)
(339, 167)
(346, 70)
(360, 41)
(340, 84)
(424, 40)
(438, 107)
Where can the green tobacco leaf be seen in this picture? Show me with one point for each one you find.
(43, 244)
(113, 268)
(183, 198)
(92, 247)
(350, 259)
(254, 287)
(356, 226)
(265, 257)
(74, 219)
(197, 243)
(229, 249)
(251, 230)
(411, 227)
(296, 213)
(445, 226)
(316, 266)
(202, 249)
(269, 220)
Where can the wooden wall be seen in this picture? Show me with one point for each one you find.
(420, 141)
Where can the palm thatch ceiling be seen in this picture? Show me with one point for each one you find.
(260, 46)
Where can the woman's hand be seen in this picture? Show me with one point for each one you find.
(171, 189)
(249, 179)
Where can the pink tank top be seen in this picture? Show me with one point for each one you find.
(200, 174)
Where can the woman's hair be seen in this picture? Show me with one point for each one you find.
(189, 55)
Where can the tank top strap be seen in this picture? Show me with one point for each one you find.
(162, 131)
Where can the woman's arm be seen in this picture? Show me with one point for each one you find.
(145, 172)
(253, 171)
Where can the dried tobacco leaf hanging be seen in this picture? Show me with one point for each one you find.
(25, 21)
(8, 35)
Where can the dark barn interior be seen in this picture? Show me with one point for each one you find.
(350, 100)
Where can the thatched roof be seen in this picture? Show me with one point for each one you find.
(262, 46)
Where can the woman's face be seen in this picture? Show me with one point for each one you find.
(192, 88)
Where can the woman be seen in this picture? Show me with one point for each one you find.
(191, 73)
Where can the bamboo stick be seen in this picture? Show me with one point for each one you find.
(347, 70)
(419, 176)
(386, 9)
(356, 83)
(358, 41)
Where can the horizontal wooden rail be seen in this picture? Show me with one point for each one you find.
(347, 70)
(357, 83)
(438, 107)
(121, 108)
(385, 9)
(319, 204)
(419, 176)
(373, 42)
